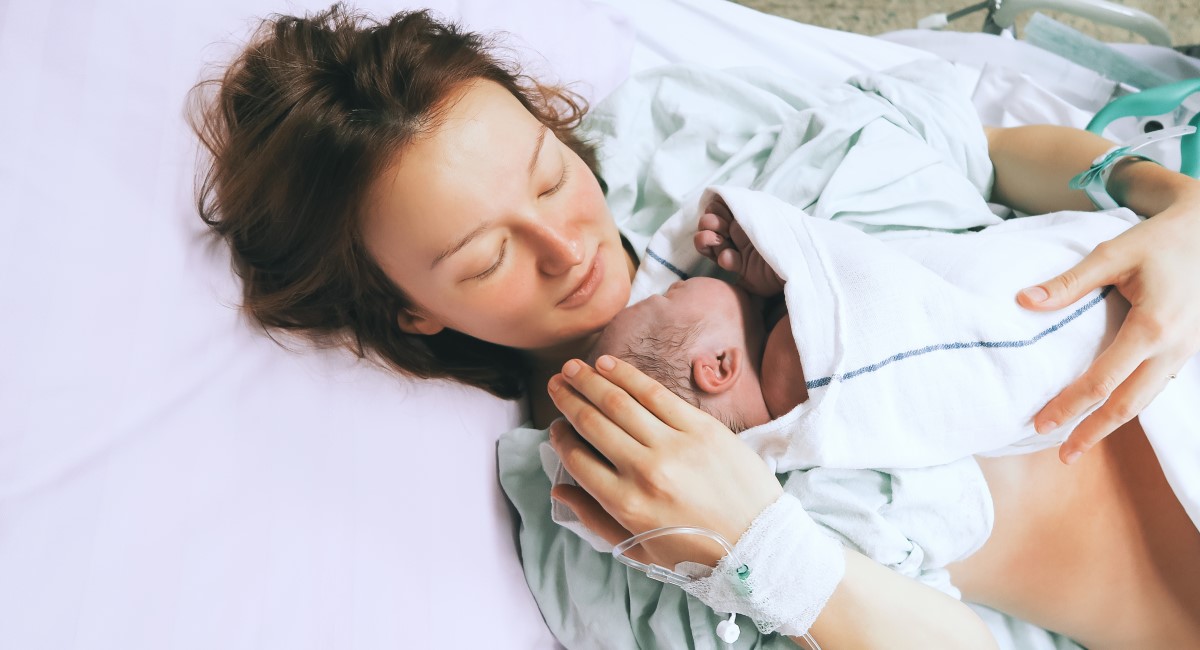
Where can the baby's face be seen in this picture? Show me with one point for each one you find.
(723, 311)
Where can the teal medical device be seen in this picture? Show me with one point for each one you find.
(1158, 101)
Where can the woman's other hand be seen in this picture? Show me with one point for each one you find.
(1156, 266)
(649, 459)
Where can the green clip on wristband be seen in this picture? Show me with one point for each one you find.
(1094, 181)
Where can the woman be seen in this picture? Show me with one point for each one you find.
(395, 189)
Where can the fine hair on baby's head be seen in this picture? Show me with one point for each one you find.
(664, 352)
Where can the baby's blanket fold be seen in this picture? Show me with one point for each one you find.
(915, 352)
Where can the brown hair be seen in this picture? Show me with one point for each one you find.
(299, 126)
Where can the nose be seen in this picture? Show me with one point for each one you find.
(560, 249)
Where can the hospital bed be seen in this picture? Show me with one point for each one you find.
(172, 477)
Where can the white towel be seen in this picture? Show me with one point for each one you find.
(915, 351)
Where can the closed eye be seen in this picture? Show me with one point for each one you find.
(494, 267)
(561, 181)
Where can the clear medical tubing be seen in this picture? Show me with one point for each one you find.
(668, 576)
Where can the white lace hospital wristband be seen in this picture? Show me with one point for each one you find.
(793, 569)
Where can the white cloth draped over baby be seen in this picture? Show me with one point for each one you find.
(916, 357)
(915, 352)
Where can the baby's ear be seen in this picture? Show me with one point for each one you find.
(414, 321)
(715, 372)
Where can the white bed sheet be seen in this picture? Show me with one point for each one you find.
(170, 478)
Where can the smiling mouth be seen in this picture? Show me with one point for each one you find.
(587, 286)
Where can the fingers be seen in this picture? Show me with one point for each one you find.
(594, 517)
(737, 234)
(721, 209)
(582, 462)
(1096, 270)
(665, 406)
(592, 424)
(708, 243)
(606, 410)
(712, 236)
(1125, 403)
(730, 259)
(1112, 367)
(1125, 377)
(715, 223)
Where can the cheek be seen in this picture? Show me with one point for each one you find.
(587, 201)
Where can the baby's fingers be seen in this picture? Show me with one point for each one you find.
(715, 223)
(730, 259)
(708, 243)
(718, 207)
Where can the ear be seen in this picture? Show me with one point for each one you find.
(413, 321)
(717, 371)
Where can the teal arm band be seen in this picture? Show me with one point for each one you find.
(1094, 180)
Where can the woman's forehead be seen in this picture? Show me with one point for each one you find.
(484, 137)
(462, 173)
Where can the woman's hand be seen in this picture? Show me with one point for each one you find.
(649, 459)
(1156, 266)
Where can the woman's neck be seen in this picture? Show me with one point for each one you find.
(545, 363)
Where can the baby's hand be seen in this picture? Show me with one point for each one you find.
(721, 239)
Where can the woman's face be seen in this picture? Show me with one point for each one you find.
(496, 229)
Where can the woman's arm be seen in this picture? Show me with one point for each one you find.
(1034, 164)
(875, 607)
(647, 459)
(1155, 265)
(872, 606)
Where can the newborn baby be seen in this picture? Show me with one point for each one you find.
(914, 350)
(711, 343)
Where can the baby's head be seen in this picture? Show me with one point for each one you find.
(702, 339)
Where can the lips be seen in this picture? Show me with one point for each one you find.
(587, 286)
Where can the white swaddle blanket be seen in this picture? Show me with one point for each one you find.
(915, 352)
(917, 357)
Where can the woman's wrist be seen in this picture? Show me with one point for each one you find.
(783, 570)
(1148, 188)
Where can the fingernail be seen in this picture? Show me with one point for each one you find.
(572, 368)
(606, 362)
(1047, 426)
(1036, 294)
(554, 384)
(1073, 456)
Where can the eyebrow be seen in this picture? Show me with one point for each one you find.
(463, 242)
(537, 149)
